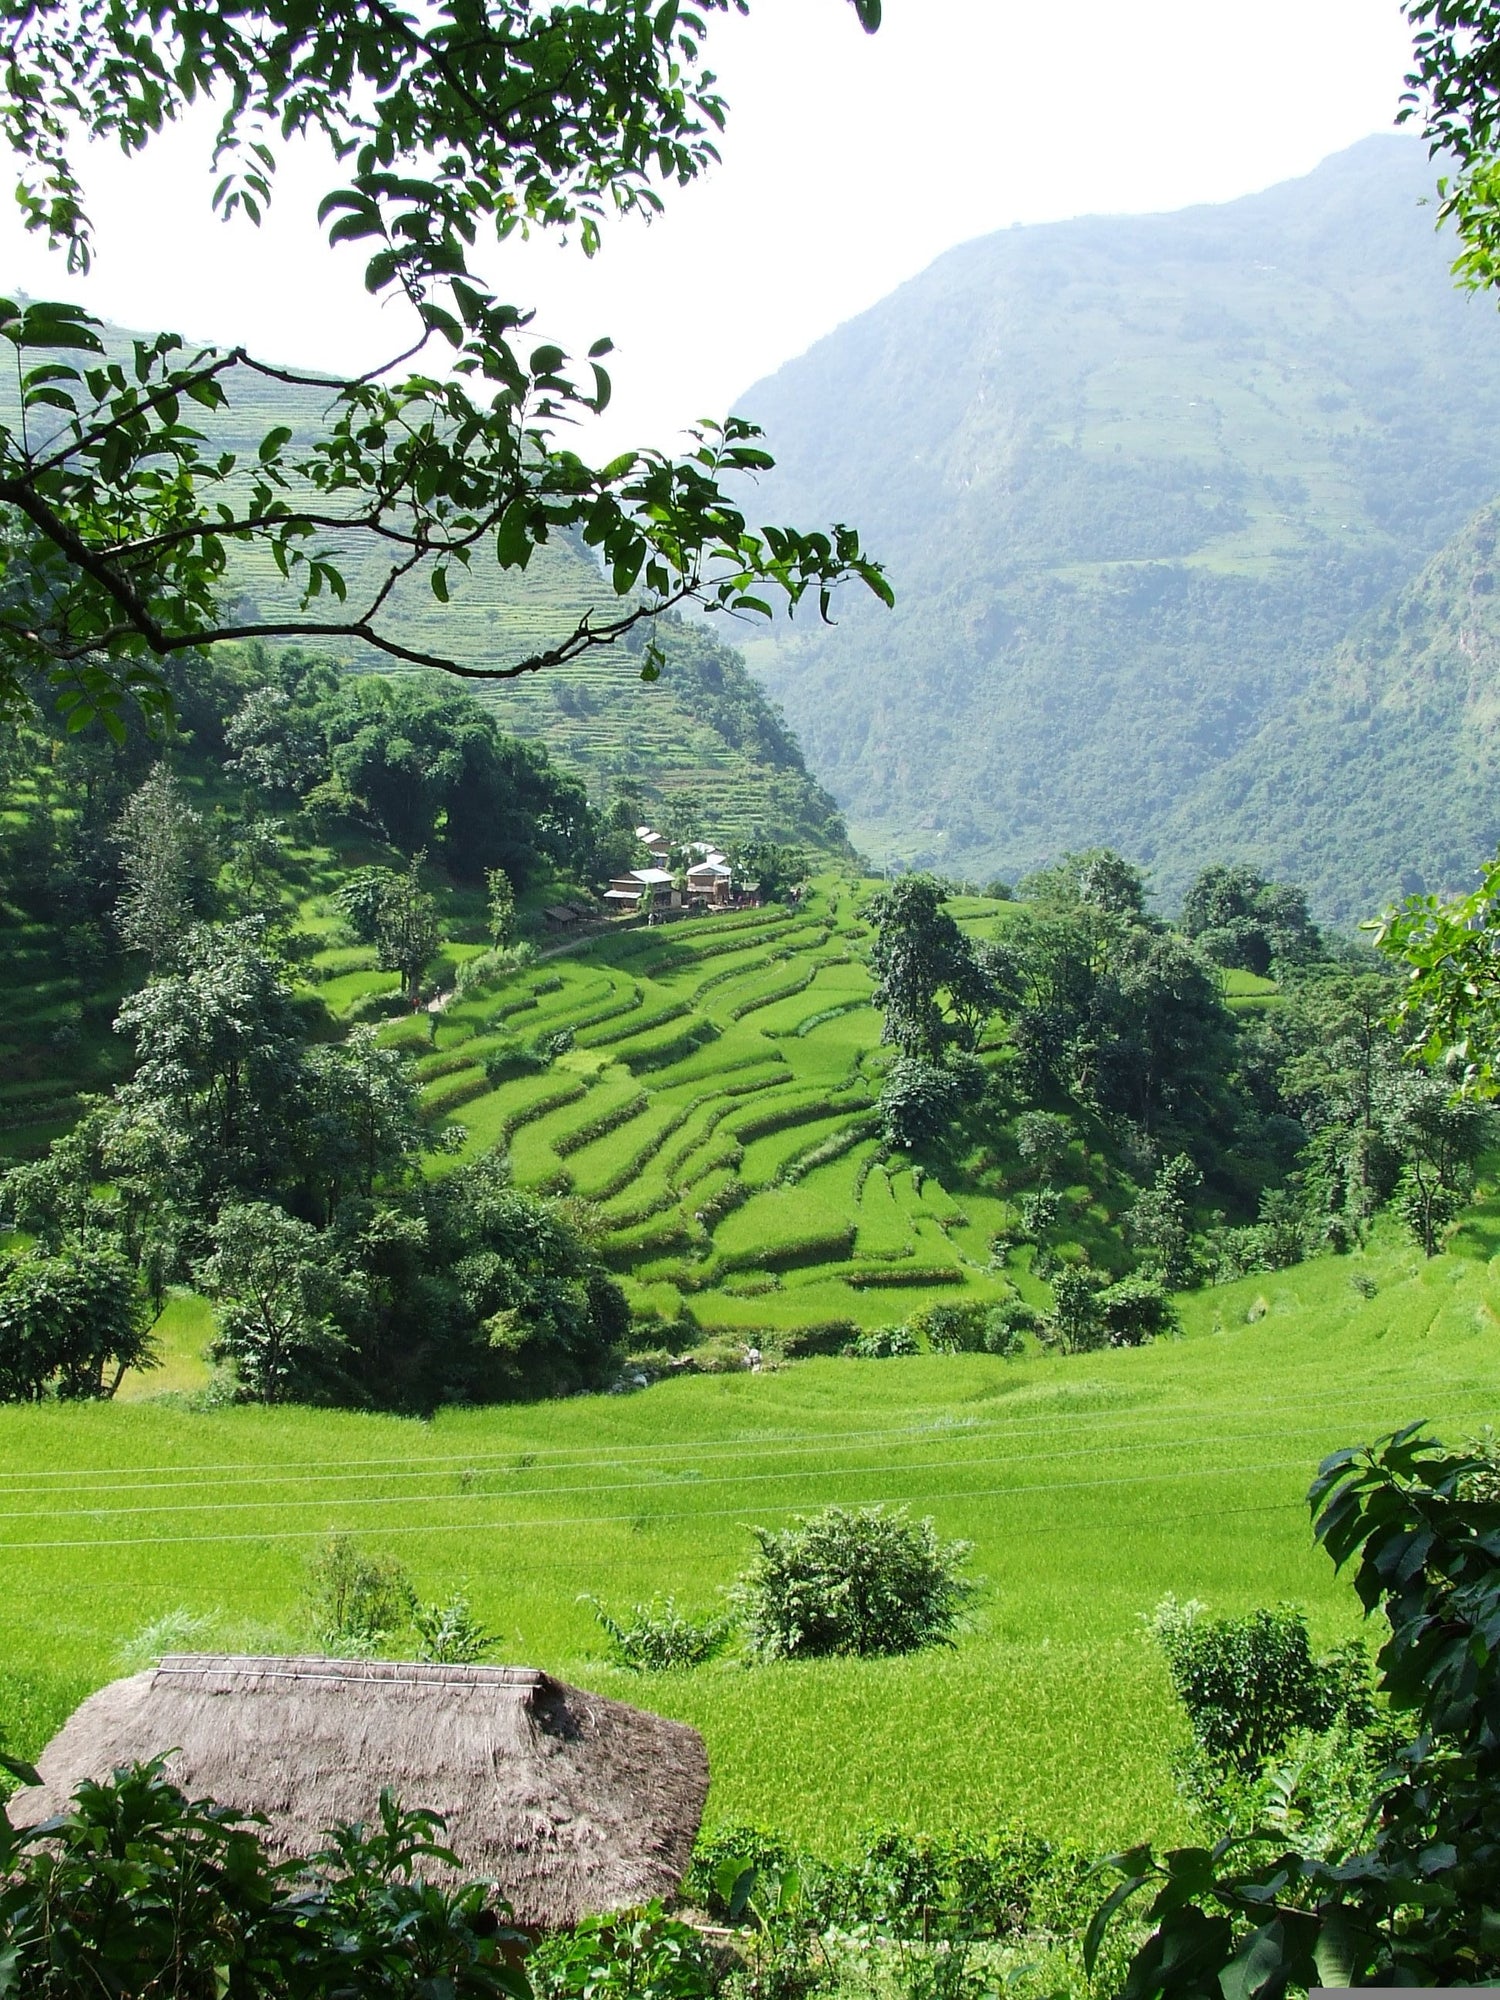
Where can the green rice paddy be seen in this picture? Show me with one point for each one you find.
(717, 1105)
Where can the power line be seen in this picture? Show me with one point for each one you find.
(688, 1514)
(567, 1458)
(667, 1483)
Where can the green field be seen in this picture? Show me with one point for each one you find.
(1090, 1487)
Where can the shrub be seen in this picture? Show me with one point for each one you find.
(355, 1601)
(136, 1892)
(918, 1101)
(511, 1059)
(640, 1955)
(1134, 1311)
(749, 1846)
(860, 1581)
(1250, 1683)
(658, 1638)
(449, 1632)
(951, 1328)
(1006, 1326)
(883, 1343)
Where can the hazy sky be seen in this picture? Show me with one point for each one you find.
(849, 164)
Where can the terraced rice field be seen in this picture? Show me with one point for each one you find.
(718, 1105)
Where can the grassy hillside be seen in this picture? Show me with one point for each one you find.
(718, 1106)
(1135, 478)
(1089, 1486)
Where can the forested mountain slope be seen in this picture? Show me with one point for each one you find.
(1137, 480)
(1380, 778)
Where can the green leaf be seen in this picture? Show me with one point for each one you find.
(440, 585)
(272, 443)
(28, 1774)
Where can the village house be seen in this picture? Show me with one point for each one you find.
(710, 879)
(649, 888)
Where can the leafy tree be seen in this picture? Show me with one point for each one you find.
(1077, 1325)
(275, 744)
(1453, 87)
(934, 990)
(500, 904)
(1160, 1221)
(161, 842)
(1438, 1137)
(407, 931)
(1450, 1011)
(773, 868)
(362, 1123)
(125, 513)
(278, 1290)
(359, 897)
(1242, 920)
(67, 1319)
(861, 1581)
(1098, 878)
(1042, 1139)
(219, 1066)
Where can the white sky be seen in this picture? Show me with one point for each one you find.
(849, 164)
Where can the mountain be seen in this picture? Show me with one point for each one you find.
(1139, 481)
(1379, 778)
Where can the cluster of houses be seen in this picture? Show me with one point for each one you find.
(707, 883)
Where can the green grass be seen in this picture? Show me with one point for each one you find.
(1090, 1487)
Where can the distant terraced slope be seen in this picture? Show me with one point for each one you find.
(705, 730)
(718, 1106)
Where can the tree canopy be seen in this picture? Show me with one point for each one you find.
(122, 515)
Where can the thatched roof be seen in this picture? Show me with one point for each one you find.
(572, 1803)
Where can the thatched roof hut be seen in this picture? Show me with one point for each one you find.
(571, 1803)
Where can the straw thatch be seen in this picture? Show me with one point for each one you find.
(574, 1805)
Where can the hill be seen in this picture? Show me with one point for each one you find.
(704, 737)
(1137, 480)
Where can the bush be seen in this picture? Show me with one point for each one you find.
(854, 1581)
(137, 1893)
(1007, 1325)
(918, 1102)
(1134, 1311)
(450, 1633)
(640, 1955)
(354, 1601)
(1250, 1683)
(511, 1059)
(951, 1328)
(657, 1638)
(883, 1343)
